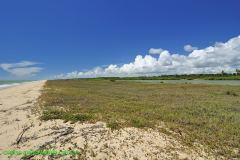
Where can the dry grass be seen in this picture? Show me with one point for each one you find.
(209, 114)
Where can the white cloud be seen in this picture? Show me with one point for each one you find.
(155, 50)
(21, 69)
(189, 48)
(213, 59)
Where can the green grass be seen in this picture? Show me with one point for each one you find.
(209, 114)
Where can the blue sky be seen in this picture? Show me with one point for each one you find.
(48, 38)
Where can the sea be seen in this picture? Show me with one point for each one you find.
(7, 84)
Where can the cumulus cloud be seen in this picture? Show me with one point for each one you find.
(21, 69)
(189, 48)
(155, 50)
(212, 59)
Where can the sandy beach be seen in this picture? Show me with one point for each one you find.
(21, 129)
(15, 112)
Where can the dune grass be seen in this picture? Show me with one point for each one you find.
(209, 114)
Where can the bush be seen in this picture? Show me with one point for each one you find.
(231, 93)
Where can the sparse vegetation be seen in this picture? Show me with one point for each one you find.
(209, 114)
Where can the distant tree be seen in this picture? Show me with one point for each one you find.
(223, 73)
(238, 71)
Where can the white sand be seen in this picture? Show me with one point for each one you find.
(94, 141)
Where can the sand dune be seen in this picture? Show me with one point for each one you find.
(21, 129)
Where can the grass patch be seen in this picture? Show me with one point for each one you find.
(59, 114)
(209, 114)
(139, 123)
(113, 125)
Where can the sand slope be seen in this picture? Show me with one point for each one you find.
(22, 129)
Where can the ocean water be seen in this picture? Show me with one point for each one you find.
(6, 84)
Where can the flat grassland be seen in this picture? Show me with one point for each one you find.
(208, 114)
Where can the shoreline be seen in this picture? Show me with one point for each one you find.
(6, 86)
(13, 84)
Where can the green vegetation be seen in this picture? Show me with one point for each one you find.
(209, 114)
(222, 76)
